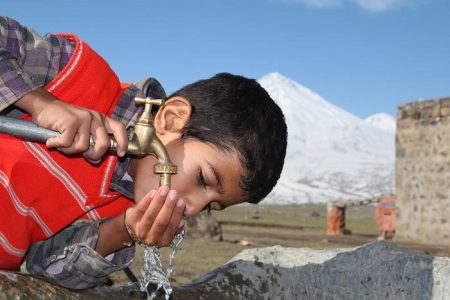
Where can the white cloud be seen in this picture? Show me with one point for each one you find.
(370, 5)
(381, 5)
(317, 3)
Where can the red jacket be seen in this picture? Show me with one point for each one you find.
(43, 191)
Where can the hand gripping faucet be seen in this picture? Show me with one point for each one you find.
(143, 142)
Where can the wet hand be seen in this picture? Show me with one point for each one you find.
(156, 219)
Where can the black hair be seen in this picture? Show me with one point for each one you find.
(234, 112)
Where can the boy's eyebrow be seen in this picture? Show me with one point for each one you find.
(218, 178)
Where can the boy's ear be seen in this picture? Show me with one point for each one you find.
(173, 116)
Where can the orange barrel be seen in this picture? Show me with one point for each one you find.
(335, 219)
(385, 215)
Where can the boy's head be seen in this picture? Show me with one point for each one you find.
(235, 117)
(236, 113)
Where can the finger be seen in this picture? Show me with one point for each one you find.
(162, 221)
(176, 222)
(117, 129)
(64, 139)
(152, 211)
(101, 138)
(80, 142)
(136, 213)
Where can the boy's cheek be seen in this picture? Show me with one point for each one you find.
(141, 188)
(140, 191)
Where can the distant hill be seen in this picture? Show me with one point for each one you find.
(331, 154)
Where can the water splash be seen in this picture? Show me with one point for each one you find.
(153, 275)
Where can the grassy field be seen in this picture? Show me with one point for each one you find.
(289, 226)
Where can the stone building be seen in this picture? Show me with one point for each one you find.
(423, 172)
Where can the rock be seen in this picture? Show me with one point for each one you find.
(20, 286)
(204, 226)
(315, 214)
(379, 270)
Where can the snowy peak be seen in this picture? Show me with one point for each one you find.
(382, 121)
(277, 82)
(287, 93)
(332, 154)
(284, 89)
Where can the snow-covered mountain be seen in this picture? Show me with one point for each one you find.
(383, 121)
(331, 153)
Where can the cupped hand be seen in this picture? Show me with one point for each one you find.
(156, 219)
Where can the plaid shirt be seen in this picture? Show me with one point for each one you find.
(29, 61)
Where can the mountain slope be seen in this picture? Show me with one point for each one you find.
(382, 121)
(331, 153)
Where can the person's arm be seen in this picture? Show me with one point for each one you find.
(28, 62)
(84, 254)
(69, 259)
(76, 125)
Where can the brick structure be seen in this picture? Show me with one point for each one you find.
(423, 172)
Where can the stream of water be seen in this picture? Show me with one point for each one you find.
(154, 277)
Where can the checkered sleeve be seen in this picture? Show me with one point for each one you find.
(28, 60)
(69, 259)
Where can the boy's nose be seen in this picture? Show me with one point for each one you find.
(191, 211)
(194, 205)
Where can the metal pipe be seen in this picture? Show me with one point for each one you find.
(25, 129)
(31, 132)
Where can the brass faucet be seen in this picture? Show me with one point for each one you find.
(145, 141)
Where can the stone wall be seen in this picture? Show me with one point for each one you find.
(423, 171)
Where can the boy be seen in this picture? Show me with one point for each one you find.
(225, 134)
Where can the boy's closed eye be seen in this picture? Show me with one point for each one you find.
(211, 177)
(201, 179)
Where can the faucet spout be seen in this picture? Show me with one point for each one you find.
(145, 141)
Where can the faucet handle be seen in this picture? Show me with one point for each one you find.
(146, 116)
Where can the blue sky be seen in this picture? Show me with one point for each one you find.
(366, 56)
